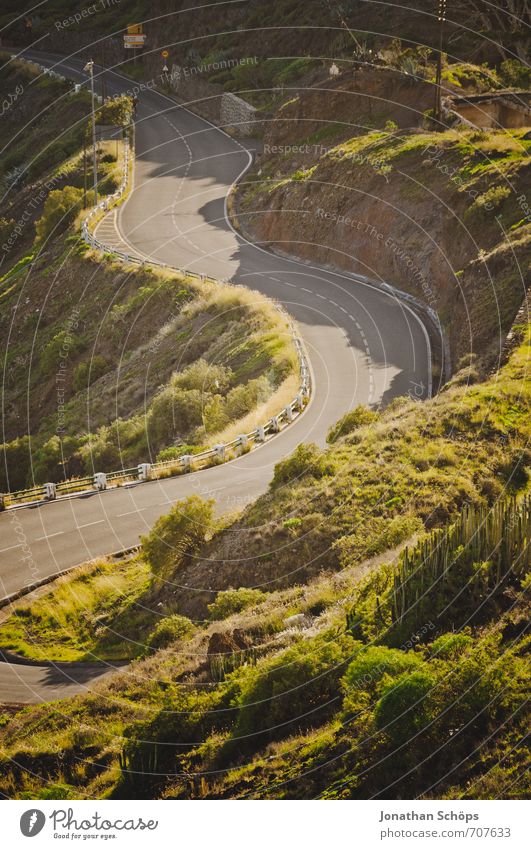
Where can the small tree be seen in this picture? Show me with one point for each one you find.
(117, 111)
(60, 209)
(177, 535)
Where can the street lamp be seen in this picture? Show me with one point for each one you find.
(89, 67)
(441, 17)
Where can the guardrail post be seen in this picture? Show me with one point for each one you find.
(275, 424)
(2, 503)
(289, 412)
(50, 491)
(100, 481)
(219, 452)
(144, 470)
(186, 461)
(243, 441)
(260, 433)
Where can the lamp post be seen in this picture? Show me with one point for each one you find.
(441, 17)
(89, 67)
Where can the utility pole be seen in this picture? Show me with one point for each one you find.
(103, 80)
(90, 68)
(441, 17)
(84, 169)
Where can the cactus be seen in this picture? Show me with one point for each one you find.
(452, 573)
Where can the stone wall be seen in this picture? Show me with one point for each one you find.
(509, 111)
(212, 102)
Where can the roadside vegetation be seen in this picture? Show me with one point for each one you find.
(348, 680)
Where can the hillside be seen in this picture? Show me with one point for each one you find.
(437, 214)
(286, 28)
(361, 629)
(322, 544)
(146, 361)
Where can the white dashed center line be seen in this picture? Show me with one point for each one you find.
(49, 536)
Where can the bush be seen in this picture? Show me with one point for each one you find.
(114, 445)
(173, 414)
(405, 708)
(371, 668)
(294, 690)
(48, 460)
(244, 398)
(514, 73)
(361, 415)
(305, 460)
(177, 535)
(206, 377)
(170, 630)
(485, 205)
(86, 373)
(372, 663)
(232, 601)
(15, 464)
(450, 646)
(60, 209)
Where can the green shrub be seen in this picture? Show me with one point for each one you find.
(173, 414)
(203, 376)
(405, 707)
(86, 373)
(305, 460)
(296, 689)
(15, 464)
(361, 415)
(231, 601)
(515, 74)
(485, 205)
(372, 663)
(177, 535)
(244, 398)
(169, 630)
(60, 209)
(113, 446)
(373, 667)
(450, 646)
(48, 460)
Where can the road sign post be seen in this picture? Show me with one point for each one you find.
(134, 39)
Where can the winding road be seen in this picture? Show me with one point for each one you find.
(364, 345)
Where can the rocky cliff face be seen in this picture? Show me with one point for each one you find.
(439, 215)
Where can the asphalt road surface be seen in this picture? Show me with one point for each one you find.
(364, 346)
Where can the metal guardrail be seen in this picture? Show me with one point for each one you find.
(187, 462)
